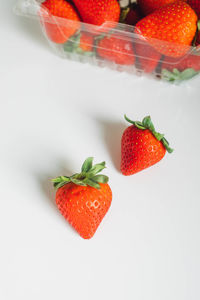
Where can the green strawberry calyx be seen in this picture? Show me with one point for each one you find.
(88, 177)
(147, 124)
(176, 75)
(72, 45)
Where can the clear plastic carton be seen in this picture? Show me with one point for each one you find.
(124, 49)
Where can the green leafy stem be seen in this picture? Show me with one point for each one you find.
(88, 177)
(147, 124)
(178, 76)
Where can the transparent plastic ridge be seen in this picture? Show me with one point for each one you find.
(113, 45)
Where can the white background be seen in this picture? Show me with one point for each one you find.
(53, 114)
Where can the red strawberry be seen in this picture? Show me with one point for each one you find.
(141, 146)
(148, 57)
(171, 29)
(115, 48)
(84, 199)
(190, 61)
(57, 30)
(195, 4)
(86, 42)
(97, 12)
(149, 6)
(81, 43)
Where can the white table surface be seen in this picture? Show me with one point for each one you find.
(53, 114)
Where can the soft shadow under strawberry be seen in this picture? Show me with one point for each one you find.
(112, 134)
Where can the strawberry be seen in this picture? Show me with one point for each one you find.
(86, 42)
(141, 146)
(97, 12)
(148, 57)
(81, 43)
(190, 61)
(195, 4)
(149, 6)
(178, 69)
(115, 48)
(57, 30)
(84, 199)
(170, 29)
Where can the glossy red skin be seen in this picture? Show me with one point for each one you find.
(148, 57)
(116, 49)
(195, 4)
(84, 207)
(149, 6)
(170, 29)
(139, 150)
(97, 12)
(59, 8)
(190, 61)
